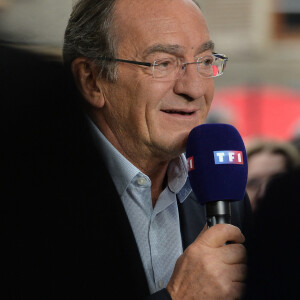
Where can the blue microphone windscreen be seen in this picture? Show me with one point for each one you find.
(217, 163)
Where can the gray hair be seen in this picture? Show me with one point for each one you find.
(90, 34)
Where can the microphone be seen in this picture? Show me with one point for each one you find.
(218, 169)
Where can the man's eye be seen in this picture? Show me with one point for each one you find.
(208, 61)
(164, 63)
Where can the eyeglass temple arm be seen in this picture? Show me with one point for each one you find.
(127, 61)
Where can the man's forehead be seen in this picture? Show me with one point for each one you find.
(143, 10)
(162, 21)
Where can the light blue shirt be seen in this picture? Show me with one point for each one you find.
(156, 230)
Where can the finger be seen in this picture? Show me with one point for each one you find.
(234, 254)
(218, 235)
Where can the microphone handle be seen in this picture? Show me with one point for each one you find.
(218, 212)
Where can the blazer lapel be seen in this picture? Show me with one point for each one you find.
(192, 219)
(112, 235)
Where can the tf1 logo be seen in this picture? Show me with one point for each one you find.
(228, 157)
(224, 157)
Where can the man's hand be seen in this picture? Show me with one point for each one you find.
(209, 269)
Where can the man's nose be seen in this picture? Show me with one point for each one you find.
(191, 83)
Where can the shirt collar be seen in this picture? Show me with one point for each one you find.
(122, 171)
(177, 173)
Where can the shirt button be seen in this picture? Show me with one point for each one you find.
(160, 284)
(142, 181)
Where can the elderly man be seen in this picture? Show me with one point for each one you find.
(119, 218)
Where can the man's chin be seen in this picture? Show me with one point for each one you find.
(176, 147)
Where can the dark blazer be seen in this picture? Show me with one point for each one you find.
(66, 234)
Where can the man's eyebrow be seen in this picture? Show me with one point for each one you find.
(209, 45)
(167, 48)
(177, 49)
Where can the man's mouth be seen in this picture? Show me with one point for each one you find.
(178, 112)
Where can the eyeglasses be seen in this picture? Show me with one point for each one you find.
(172, 68)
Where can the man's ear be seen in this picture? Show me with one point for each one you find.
(86, 79)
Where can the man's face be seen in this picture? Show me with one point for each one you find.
(144, 114)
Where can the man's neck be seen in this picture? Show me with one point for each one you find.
(157, 172)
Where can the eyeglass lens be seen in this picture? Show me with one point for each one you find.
(172, 69)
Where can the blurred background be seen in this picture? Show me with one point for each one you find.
(260, 91)
(36, 23)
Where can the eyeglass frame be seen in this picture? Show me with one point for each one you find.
(147, 64)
